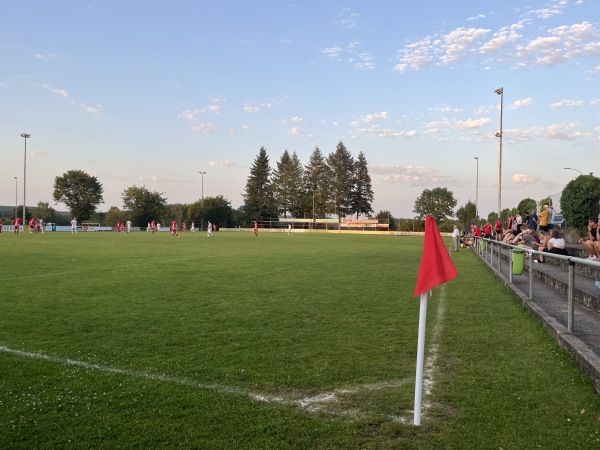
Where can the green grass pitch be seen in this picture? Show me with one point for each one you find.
(305, 341)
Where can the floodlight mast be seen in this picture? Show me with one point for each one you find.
(25, 136)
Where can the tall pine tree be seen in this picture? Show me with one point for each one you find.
(259, 202)
(316, 184)
(341, 166)
(297, 191)
(362, 192)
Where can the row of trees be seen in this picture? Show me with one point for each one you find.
(82, 193)
(336, 185)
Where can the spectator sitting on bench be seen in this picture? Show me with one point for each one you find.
(528, 239)
(556, 244)
(542, 245)
(588, 242)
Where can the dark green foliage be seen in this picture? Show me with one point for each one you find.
(217, 209)
(46, 212)
(525, 206)
(580, 201)
(316, 179)
(387, 217)
(82, 193)
(362, 191)
(439, 202)
(259, 201)
(341, 168)
(466, 214)
(114, 215)
(142, 205)
(288, 186)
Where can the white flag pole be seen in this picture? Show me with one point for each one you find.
(420, 358)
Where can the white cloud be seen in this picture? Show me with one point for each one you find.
(224, 163)
(559, 131)
(477, 17)
(502, 38)
(567, 103)
(523, 103)
(414, 176)
(384, 133)
(295, 131)
(194, 114)
(351, 54)
(204, 128)
(293, 120)
(45, 56)
(458, 42)
(471, 123)
(372, 117)
(332, 52)
(91, 109)
(521, 178)
(60, 92)
(446, 49)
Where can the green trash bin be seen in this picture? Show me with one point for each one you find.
(518, 261)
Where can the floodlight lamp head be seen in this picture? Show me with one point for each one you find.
(498, 134)
(25, 135)
(499, 91)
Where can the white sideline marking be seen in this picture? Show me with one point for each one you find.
(130, 373)
(315, 403)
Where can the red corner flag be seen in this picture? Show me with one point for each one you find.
(436, 265)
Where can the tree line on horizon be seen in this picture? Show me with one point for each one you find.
(336, 185)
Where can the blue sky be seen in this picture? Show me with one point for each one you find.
(149, 93)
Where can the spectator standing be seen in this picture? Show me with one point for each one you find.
(532, 222)
(487, 230)
(544, 218)
(455, 237)
(518, 222)
(498, 229)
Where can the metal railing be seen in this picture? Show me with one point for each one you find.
(485, 248)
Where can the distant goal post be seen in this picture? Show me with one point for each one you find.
(90, 226)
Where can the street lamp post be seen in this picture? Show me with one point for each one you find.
(202, 173)
(16, 198)
(570, 168)
(477, 190)
(25, 136)
(202, 202)
(500, 92)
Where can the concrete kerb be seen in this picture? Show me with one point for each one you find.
(584, 356)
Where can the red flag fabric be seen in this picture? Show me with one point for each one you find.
(436, 265)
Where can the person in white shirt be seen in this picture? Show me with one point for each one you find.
(129, 226)
(455, 237)
(556, 244)
(74, 226)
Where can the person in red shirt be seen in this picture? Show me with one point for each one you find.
(153, 226)
(184, 227)
(498, 229)
(487, 230)
(31, 223)
(256, 229)
(174, 229)
(0, 224)
(17, 223)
